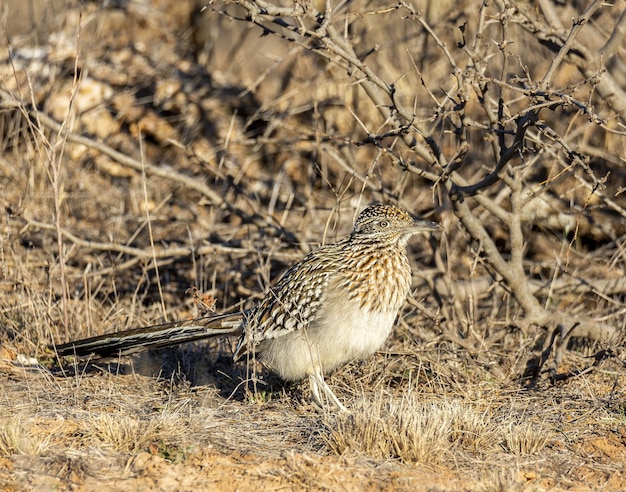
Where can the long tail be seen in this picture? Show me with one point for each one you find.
(150, 337)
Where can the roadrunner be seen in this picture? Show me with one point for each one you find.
(336, 304)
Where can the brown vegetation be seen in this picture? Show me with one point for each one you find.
(150, 147)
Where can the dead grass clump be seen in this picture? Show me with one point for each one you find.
(128, 434)
(15, 439)
(427, 432)
(525, 438)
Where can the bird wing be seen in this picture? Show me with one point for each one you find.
(292, 303)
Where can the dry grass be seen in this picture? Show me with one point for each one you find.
(126, 434)
(94, 422)
(15, 439)
(225, 175)
(406, 428)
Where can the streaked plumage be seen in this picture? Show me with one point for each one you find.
(336, 304)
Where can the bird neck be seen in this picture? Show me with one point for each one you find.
(372, 264)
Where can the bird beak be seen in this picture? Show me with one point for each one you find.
(425, 225)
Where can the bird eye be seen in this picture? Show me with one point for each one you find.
(383, 223)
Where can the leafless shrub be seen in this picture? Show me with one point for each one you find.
(507, 118)
(524, 82)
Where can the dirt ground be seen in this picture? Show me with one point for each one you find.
(166, 435)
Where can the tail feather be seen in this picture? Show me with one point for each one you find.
(151, 337)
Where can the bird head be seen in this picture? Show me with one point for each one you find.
(389, 223)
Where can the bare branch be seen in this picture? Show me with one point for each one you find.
(579, 23)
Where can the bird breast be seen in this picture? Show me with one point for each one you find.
(354, 317)
(377, 282)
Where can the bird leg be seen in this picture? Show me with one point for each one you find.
(317, 382)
